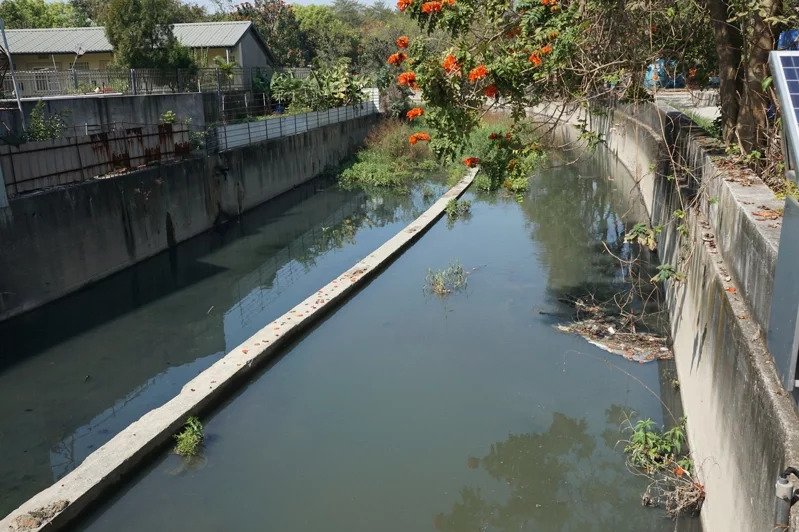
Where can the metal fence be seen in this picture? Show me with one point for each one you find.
(38, 165)
(34, 166)
(230, 136)
(141, 81)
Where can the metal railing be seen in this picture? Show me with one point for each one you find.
(109, 151)
(35, 83)
(254, 130)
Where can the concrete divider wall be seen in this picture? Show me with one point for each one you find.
(56, 242)
(742, 427)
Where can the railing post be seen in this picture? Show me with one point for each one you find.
(133, 87)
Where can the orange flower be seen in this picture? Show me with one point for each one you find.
(490, 91)
(448, 2)
(471, 162)
(431, 7)
(478, 72)
(402, 5)
(493, 136)
(546, 50)
(679, 471)
(421, 136)
(407, 78)
(414, 113)
(397, 59)
(403, 41)
(535, 59)
(549, 2)
(450, 64)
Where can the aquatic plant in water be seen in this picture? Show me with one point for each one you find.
(190, 439)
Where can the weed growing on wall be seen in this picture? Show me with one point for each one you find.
(190, 439)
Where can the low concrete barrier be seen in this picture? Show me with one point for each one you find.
(103, 469)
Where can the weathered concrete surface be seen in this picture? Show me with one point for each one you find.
(742, 428)
(107, 109)
(104, 468)
(58, 241)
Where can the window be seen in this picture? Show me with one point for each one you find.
(81, 65)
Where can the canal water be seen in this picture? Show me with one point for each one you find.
(76, 372)
(403, 411)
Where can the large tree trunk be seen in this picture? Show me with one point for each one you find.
(729, 44)
(752, 127)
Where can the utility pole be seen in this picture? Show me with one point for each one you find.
(7, 51)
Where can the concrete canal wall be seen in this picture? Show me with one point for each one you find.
(56, 242)
(743, 428)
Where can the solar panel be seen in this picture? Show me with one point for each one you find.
(785, 72)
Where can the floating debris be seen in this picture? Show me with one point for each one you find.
(605, 334)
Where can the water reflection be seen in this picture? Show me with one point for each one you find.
(76, 372)
(564, 478)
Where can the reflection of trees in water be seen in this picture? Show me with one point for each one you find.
(574, 209)
(380, 208)
(565, 478)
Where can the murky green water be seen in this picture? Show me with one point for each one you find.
(406, 412)
(76, 372)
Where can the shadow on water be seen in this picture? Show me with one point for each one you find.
(76, 372)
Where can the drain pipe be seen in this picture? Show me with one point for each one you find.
(785, 499)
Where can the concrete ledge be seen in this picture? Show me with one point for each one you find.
(742, 428)
(104, 468)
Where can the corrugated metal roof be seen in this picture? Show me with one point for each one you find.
(93, 39)
(57, 40)
(211, 34)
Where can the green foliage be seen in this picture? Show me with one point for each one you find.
(507, 157)
(447, 281)
(644, 235)
(388, 160)
(44, 126)
(457, 208)
(36, 14)
(169, 117)
(325, 88)
(190, 439)
(667, 272)
(276, 22)
(329, 37)
(653, 450)
(141, 33)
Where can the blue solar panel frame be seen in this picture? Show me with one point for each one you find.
(784, 66)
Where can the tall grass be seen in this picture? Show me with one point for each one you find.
(388, 159)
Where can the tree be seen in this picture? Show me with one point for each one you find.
(141, 33)
(579, 51)
(36, 14)
(275, 22)
(329, 38)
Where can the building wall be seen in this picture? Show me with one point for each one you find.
(88, 61)
(251, 53)
(56, 242)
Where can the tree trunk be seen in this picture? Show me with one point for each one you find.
(729, 44)
(752, 127)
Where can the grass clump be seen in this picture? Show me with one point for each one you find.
(444, 282)
(457, 208)
(388, 159)
(661, 456)
(190, 439)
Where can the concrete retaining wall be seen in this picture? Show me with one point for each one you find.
(742, 427)
(107, 109)
(57, 242)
